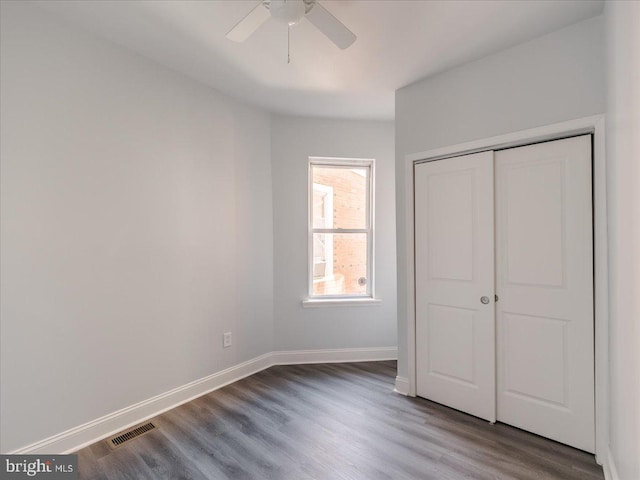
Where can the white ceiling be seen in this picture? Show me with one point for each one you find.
(399, 42)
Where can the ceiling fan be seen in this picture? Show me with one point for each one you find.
(292, 12)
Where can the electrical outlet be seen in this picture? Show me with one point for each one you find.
(226, 340)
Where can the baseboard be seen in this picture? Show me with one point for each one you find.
(402, 386)
(342, 355)
(609, 467)
(91, 432)
(103, 427)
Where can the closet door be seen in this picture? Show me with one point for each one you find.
(454, 254)
(544, 280)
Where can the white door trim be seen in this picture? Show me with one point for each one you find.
(594, 125)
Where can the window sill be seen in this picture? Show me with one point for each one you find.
(340, 302)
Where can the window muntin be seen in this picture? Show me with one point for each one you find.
(340, 228)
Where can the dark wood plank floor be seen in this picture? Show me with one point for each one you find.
(333, 422)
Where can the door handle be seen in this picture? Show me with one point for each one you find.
(484, 300)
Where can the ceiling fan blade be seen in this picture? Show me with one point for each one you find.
(249, 24)
(331, 26)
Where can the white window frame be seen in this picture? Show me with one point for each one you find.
(369, 295)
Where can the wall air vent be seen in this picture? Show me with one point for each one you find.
(121, 438)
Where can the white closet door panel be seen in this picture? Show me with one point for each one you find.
(455, 334)
(544, 280)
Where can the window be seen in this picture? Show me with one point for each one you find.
(340, 229)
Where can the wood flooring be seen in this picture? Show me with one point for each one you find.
(330, 422)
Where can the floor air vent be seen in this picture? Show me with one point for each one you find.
(115, 442)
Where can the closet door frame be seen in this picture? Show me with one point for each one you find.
(594, 125)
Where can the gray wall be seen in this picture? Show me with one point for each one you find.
(136, 228)
(622, 21)
(293, 140)
(551, 79)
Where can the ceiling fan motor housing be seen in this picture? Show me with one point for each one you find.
(288, 11)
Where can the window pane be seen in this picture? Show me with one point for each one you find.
(322, 254)
(340, 264)
(322, 206)
(340, 197)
